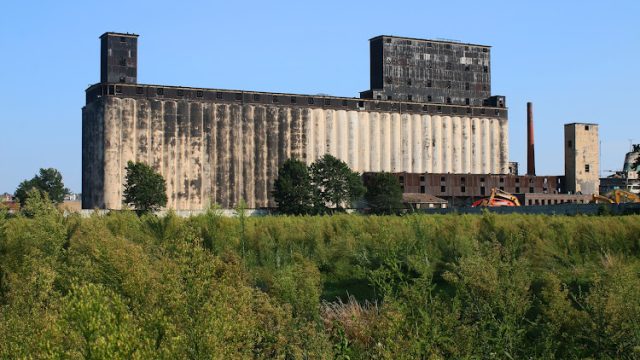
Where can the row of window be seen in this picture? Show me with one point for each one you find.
(430, 44)
(463, 189)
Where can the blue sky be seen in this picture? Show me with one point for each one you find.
(577, 61)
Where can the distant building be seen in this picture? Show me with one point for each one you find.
(581, 158)
(6, 197)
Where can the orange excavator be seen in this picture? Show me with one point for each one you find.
(616, 197)
(498, 198)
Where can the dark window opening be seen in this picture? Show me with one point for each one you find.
(377, 105)
(327, 101)
(463, 189)
(481, 179)
(439, 108)
(425, 107)
(344, 102)
(468, 110)
(467, 68)
(199, 93)
(501, 180)
(443, 189)
(361, 104)
(586, 127)
(448, 84)
(379, 97)
(517, 190)
(294, 100)
(429, 98)
(310, 101)
(123, 79)
(429, 44)
(531, 189)
(180, 92)
(421, 177)
(586, 167)
(484, 50)
(139, 90)
(423, 189)
(517, 180)
(219, 95)
(497, 112)
(401, 178)
(482, 191)
(409, 106)
(389, 97)
(275, 99)
(467, 101)
(388, 41)
(482, 111)
(448, 100)
(256, 97)
(118, 89)
(428, 83)
(502, 188)
(569, 144)
(466, 86)
(238, 96)
(485, 68)
(123, 39)
(123, 62)
(160, 91)
(442, 178)
(410, 97)
(408, 82)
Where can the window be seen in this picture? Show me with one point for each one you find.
(482, 191)
(428, 99)
(180, 92)
(484, 50)
(467, 68)
(327, 101)
(463, 189)
(443, 189)
(463, 180)
(421, 177)
(199, 93)
(442, 178)
(423, 189)
(118, 89)
(448, 84)
(467, 101)
(481, 179)
(586, 167)
(379, 97)
(425, 107)
(361, 104)
(275, 99)
(123, 39)
(401, 179)
(238, 96)
(531, 189)
(439, 109)
(497, 112)
(448, 100)
(466, 86)
(389, 97)
(502, 180)
(517, 190)
(408, 82)
(219, 95)
(139, 90)
(482, 111)
(294, 100)
(468, 110)
(160, 91)
(485, 68)
(429, 44)
(256, 97)
(502, 188)
(310, 101)
(410, 97)
(428, 83)
(344, 102)
(449, 66)
(586, 127)
(123, 62)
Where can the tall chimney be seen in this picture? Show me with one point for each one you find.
(531, 157)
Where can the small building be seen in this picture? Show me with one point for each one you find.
(415, 201)
(581, 158)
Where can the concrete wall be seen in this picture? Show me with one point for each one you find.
(221, 153)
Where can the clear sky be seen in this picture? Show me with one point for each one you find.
(577, 61)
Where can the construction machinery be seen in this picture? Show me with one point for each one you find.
(616, 197)
(497, 198)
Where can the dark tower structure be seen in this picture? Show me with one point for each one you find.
(119, 58)
(447, 72)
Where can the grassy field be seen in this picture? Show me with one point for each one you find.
(345, 286)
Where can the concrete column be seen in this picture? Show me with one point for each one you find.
(260, 169)
(352, 159)
(248, 157)
(196, 157)
(396, 156)
(436, 124)
(169, 159)
(427, 129)
(364, 145)
(385, 140)
(405, 143)
(272, 150)
(374, 136)
(456, 129)
(332, 132)
(416, 152)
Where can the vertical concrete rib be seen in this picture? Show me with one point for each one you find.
(169, 159)
(486, 147)
(405, 141)
(416, 152)
(182, 158)
(143, 130)
(249, 156)
(272, 151)
(466, 145)
(331, 132)
(195, 157)
(352, 159)
(207, 174)
(427, 144)
(260, 169)
(457, 145)
(396, 159)
(235, 155)
(343, 136)
(385, 140)
(437, 144)
(284, 140)
(476, 146)
(222, 146)
(157, 136)
(504, 146)
(374, 138)
(364, 145)
(297, 144)
(309, 123)
(112, 153)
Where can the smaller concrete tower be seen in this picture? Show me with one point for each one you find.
(119, 58)
(581, 158)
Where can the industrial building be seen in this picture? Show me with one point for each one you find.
(429, 110)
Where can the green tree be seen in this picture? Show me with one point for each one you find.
(292, 189)
(384, 194)
(47, 181)
(335, 183)
(144, 189)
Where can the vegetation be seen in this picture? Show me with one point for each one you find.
(345, 286)
(47, 181)
(384, 194)
(293, 191)
(335, 184)
(144, 189)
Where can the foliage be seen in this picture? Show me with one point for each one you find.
(381, 287)
(335, 184)
(384, 194)
(47, 181)
(292, 189)
(144, 188)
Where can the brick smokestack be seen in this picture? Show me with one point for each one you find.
(531, 157)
